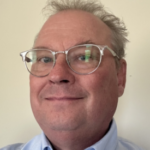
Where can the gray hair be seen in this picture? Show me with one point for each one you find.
(118, 29)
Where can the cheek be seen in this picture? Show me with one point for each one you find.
(100, 82)
(103, 96)
(106, 85)
(36, 85)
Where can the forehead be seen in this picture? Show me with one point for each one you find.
(72, 27)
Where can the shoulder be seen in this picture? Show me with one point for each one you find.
(16, 146)
(34, 144)
(124, 144)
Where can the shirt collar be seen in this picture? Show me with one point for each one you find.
(40, 142)
(109, 141)
(45, 143)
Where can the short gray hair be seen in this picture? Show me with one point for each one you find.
(118, 29)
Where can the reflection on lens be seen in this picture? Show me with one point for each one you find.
(87, 55)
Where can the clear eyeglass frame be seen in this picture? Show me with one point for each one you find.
(100, 47)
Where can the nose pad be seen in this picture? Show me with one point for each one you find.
(61, 72)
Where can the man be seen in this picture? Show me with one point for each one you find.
(77, 73)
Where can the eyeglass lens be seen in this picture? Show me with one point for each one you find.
(81, 59)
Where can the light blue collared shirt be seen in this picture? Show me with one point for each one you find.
(109, 142)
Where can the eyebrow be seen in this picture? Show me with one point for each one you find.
(40, 47)
(85, 42)
(78, 43)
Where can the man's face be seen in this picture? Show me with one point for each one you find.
(64, 100)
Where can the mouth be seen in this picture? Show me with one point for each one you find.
(63, 98)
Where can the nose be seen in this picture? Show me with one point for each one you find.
(61, 73)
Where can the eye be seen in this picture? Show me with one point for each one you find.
(46, 60)
(82, 57)
(86, 56)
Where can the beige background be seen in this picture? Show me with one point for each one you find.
(20, 20)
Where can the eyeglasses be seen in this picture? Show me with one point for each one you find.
(82, 59)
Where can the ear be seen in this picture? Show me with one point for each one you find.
(121, 74)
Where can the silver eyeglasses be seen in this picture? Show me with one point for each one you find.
(82, 59)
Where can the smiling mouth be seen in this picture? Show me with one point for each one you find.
(63, 98)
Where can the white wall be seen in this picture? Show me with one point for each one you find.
(19, 23)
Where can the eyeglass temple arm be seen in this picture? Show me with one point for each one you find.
(113, 53)
(24, 58)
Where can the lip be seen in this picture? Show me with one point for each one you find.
(63, 98)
